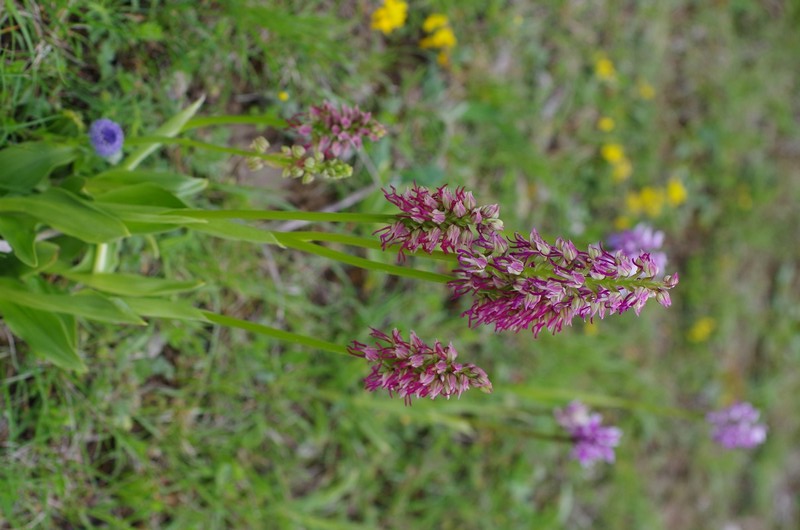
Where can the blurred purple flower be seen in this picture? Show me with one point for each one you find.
(535, 285)
(737, 426)
(106, 137)
(414, 369)
(592, 441)
(446, 219)
(641, 239)
(336, 132)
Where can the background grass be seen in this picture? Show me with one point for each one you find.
(190, 426)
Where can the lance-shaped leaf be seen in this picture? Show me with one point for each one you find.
(50, 335)
(92, 306)
(170, 129)
(19, 231)
(180, 185)
(236, 232)
(23, 166)
(68, 213)
(132, 284)
(160, 308)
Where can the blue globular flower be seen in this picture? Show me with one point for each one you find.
(442, 219)
(106, 137)
(641, 238)
(535, 285)
(737, 427)
(415, 369)
(592, 441)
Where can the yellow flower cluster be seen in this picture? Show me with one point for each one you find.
(606, 124)
(614, 154)
(440, 37)
(646, 90)
(604, 68)
(651, 201)
(390, 16)
(701, 330)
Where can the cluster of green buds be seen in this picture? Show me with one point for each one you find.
(259, 145)
(306, 165)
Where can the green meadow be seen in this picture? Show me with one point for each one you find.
(579, 118)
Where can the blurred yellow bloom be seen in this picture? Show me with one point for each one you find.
(590, 329)
(702, 329)
(605, 124)
(676, 192)
(604, 69)
(621, 170)
(634, 203)
(649, 201)
(744, 197)
(612, 153)
(390, 16)
(646, 90)
(518, 20)
(442, 38)
(622, 222)
(434, 22)
(443, 58)
(652, 200)
(283, 95)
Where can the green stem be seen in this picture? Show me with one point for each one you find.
(271, 215)
(280, 160)
(205, 121)
(288, 240)
(101, 258)
(275, 333)
(363, 242)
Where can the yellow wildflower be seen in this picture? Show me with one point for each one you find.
(390, 16)
(676, 192)
(622, 170)
(434, 22)
(605, 124)
(702, 329)
(623, 222)
(590, 329)
(646, 90)
(283, 95)
(604, 69)
(441, 38)
(652, 200)
(612, 153)
(744, 198)
(443, 58)
(634, 203)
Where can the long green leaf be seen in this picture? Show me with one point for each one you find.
(68, 213)
(274, 215)
(91, 306)
(49, 335)
(171, 128)
(149, 219)
(275, 333)
(264, 119)
(236, 232)
(292, 242)
(180, 185)
(142, 194)
(132, 284)
(160, 308)
(19, 230)
(24, 166)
